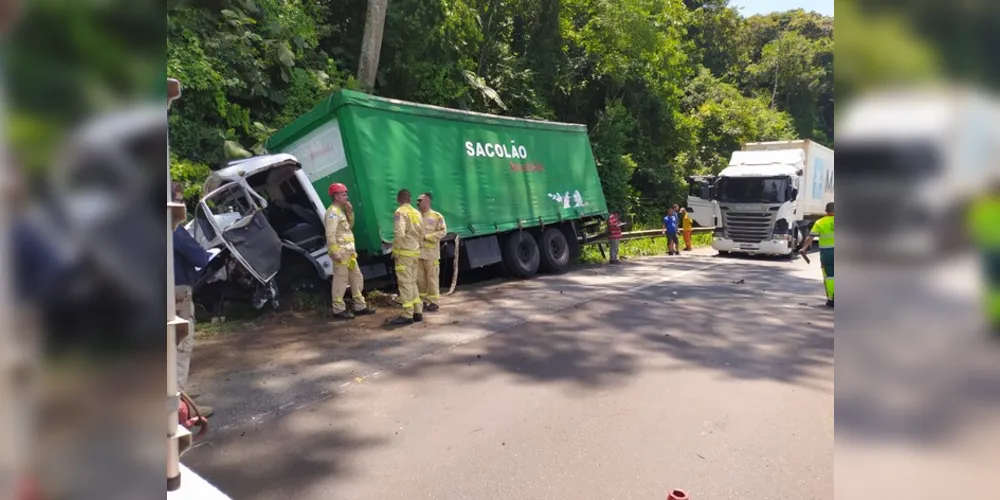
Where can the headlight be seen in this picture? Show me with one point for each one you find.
(780, 228)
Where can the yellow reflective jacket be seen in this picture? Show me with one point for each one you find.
(339, 238)
(823, 228)
(408, 231)
(984, 222)
(434, 230)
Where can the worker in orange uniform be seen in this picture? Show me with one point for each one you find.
(429, 270)
(408, 233)
(339, 221)
(687, 226)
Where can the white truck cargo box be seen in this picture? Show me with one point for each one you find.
(817, 180)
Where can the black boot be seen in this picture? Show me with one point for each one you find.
(401, 321)
(431, 308)
(829, 303)
(367, 311)
(418, 317)
(343, 315)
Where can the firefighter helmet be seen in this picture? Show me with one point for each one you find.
(337, 187)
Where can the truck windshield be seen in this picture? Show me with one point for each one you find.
(752, 189)
(911, 159)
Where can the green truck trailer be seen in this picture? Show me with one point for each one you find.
(514, 191)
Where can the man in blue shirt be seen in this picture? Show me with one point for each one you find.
(190, 260)
(670, 229)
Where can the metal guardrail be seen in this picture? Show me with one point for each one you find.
(602, 239)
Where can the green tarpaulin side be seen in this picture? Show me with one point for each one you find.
(519, 171)
(327, 108)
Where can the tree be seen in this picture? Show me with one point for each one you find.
(881, 50)
(724, 120)
(788, 57)
(611, 136)
(789, 66)
(248, 67)
(713, 31)
(666, 87)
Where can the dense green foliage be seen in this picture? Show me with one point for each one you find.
(668, 88)
(66, 61)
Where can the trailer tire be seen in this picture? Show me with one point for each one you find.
(521, 255)
(554, 250)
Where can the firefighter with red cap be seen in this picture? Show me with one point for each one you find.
(339, 221)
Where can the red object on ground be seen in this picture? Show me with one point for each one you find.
(28, 489)
(677, 495)
(189, 419)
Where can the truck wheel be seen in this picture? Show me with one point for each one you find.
(520, 254)
(795, 243)
(554, 251)
(300, 277)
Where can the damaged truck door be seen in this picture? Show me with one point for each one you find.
(264, 211)
(235, 214)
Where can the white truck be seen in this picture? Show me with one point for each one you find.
(770, 195)
(701, 204)
(915, 157)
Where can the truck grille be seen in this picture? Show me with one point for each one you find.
(747, 227)
(874, 217)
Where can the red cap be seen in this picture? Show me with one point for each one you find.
(337, 187)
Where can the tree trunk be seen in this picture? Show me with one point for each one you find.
(371, 44)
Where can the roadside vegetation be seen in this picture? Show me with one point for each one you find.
(667, 88)
(641, 247)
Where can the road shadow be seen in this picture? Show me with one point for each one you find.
(265, 383)
(593, 328)
(554, 328)
(737, 321)
(284, 458)
(922, 369)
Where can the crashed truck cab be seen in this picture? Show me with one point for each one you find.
(262, 218)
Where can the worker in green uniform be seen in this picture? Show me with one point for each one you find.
(823, 229)
(984, 227)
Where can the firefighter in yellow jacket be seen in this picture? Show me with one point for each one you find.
(408, 232)
(430, 253)
(339, 222)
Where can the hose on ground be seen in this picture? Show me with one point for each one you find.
(191, 416)
(454, 271)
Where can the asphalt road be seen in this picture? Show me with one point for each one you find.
(713, 375)
(918, 389)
